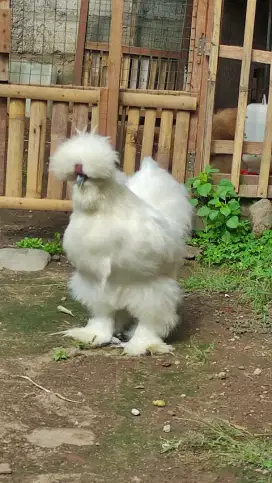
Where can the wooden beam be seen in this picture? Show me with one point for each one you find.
(5, 39)
(227, 147)
(267, 145)
(211, 84)
(42, 93)
(81, 36)
(248, 184)
(243, 92)
(35, 204)
(140, 99)
(236, 53)
(114, 68)
(139, 51)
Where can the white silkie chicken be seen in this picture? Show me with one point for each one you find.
(125, 240)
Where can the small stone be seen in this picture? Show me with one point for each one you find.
(257, 371)
(24, 259)
(221, 375)
(242, 368)
(192, 252)
(135, 412)
(166, 428)
(56, 258)
(210, 377)
(160, 403)
(261, 216)
(5, 469)
(183, 395)
(166, 364)
(63, 299)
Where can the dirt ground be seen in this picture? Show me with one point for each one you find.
(78, 426)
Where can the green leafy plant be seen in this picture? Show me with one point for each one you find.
(51, 246)
(60, 354)
(218, 206)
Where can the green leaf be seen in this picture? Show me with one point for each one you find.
(203, 211)
(233, 222)
(210, 170)
(204, 189)
(226, 238)
(213, 214)
(226, 183)
(196, 183)
(189, 182)
(234, 205)
(193, 201)
(215, 202)
(225, 210)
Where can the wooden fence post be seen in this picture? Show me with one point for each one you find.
(114, 69)
(5, 38)
(81, 35)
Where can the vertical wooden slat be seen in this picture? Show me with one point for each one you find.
(104, 71)
(86, 69)
(4, 62)
(95, 118)
(102, 111)
(79, 118)
(211, 84)
(165, 137)
(59, 126)
(130, 142)
(243, 93)
(115, 55)
(143, 77)
(180, 145)
(148, 134)
(152, 74)
(266, 156)
(36, 147)
(82, 26)
(134, 72)
(15, 155)
(95, 70)
(125, 72)
(162, 74)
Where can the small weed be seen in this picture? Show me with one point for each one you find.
(60, 354)
(199, 353)
(53, 247)
(83, 346)
(212, 280)
(234, 446)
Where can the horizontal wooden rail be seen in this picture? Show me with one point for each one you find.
(104, 47)
(43, 93)
(226, 147)
(160, 92)
(236, 53)
(35, 204)
(248, 184)
(179, 103)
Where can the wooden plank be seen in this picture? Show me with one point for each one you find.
(267, 145)
(115, 56)
(5, 37)
(243, 93)
(153, 74)
(104, 71)
(95, 70)
(43, 93)
(125, 72)
(103, 111)
(86, 69)
(36, 148)
(162, 74)
(18, 203)
(165, 137)
(211, 84)
(180, 146)
(141, 99)
(95, 118)
(5, 29)
(130, 142)
(59, 131)
(235, 52)
(134, 72)
(143, 77)
(81, 35)
(15, 157)
(79, 118)
(248, 185)
(148, 134)
(227, 147)
(131, 50)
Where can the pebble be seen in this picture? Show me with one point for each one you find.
(56, 258)
(242, 368)
(166, 364)
(221, 375)
(167, 428)
(257, 371)
(63, 299)
(135, 412)
(5, 469)
(159, 403)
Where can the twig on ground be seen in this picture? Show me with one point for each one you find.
(47, 390)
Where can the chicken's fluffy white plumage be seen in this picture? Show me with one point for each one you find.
(125, 240)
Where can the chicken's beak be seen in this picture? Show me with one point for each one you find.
(80, 180)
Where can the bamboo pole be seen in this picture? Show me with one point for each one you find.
(125, 72)
(157, 101)
(36, 147)
(35, 204)
(79, 118)
(180, 146)
(82, 26)
(134, 72)
(165, 137)
(59, 127)
(162, 74)
(243, 93)
(211, 84)
(95, 118)
(153, 73)
(5, 40)
(130, 142)
(44, 93)
(15, 157)
(149, 131)
(267, 145)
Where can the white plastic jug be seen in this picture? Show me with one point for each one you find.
(255, 131)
